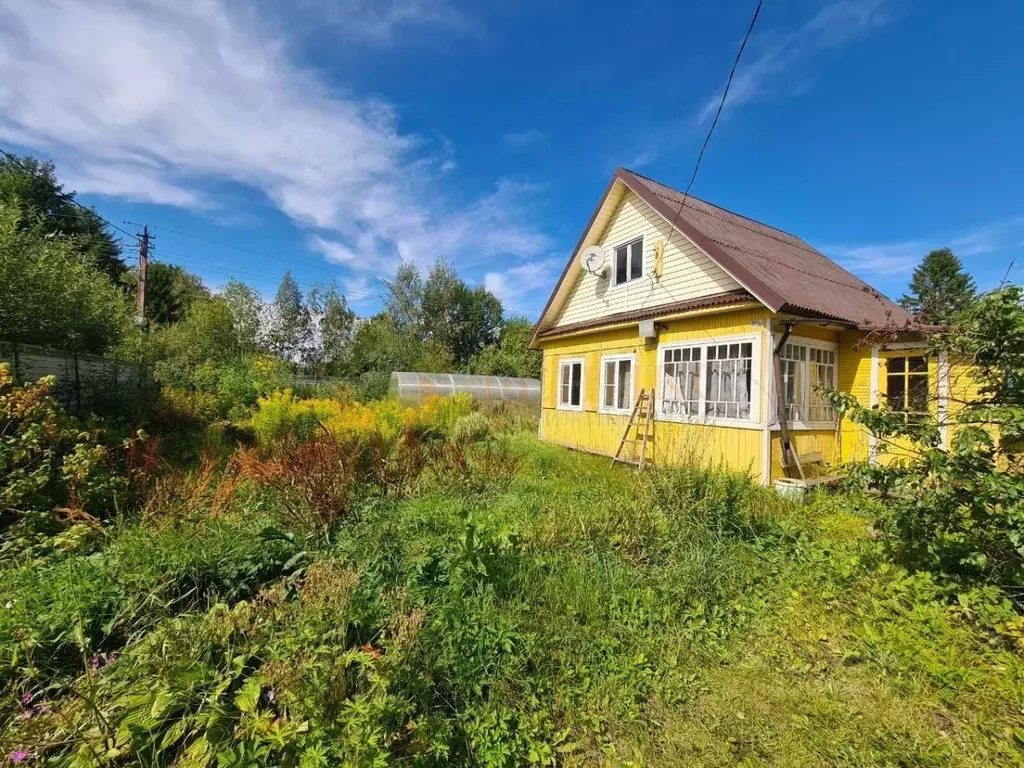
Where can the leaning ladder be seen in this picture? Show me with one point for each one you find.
(642, 415)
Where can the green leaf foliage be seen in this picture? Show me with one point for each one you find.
(939, 288)
(51, 293)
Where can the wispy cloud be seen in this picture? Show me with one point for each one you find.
(376, 22)
(155, 101)
(777, 62)
(525, 138)
(879, 259)
(895, 259)
(518, 286)
(776, 54)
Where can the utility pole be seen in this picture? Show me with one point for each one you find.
(140, 293)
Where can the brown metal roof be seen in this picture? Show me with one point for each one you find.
(780, 269)
(661, 310)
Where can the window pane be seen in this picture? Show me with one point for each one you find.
(609, 384)
(564, 371)
(896, 391)
(625, 375)
(918, 392)
(636, 268)
(896, 365)
(918, 364)
(577, 370)
(620, 265)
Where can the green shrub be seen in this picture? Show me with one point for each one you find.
(80, 605)
(958, 511)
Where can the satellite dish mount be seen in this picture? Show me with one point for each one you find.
(594, 260)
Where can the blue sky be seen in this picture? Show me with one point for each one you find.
(339, 137)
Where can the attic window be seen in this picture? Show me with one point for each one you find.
(629, 261)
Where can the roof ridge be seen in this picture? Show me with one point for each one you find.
(727, 210)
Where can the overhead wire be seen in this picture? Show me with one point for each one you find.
(161, 254)
(718, 114)
(216, 266)
(66, 196)
(250, 251)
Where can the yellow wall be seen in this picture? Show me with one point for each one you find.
(806, 441)
(671, 442)
(736, 447)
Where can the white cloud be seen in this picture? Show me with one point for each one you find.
(377, 22)
(333, 251)
(880, 259)
(777, 53)
(525, 138)
(127, 183)
(515, 285)
(155, 100)
(899, 258)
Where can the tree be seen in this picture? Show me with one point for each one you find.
(939, 288)
(206, 335)
(51, 294)
(381, 348)
(462, 319)
(404, 302)
(170, 291)
(334, 325)
(34, 184)
(957, 509)
(290, 324)
(247, 315)
(512, 355)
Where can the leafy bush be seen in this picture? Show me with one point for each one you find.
(958, 511)
(52, 292)
(50, 463)
(62, 612)
(280, 418)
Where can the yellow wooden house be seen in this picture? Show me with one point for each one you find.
(716, 315)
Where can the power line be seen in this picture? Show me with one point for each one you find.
(263, 254)
(68, 197)
(718, 113)
(231, 271)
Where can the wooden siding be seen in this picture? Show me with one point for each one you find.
(686, 272)
(671, 443)
(807, 441)
(853, 375)
(739, 448)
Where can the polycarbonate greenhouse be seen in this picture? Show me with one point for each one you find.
(411, 387)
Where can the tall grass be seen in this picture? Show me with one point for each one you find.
(558, 613)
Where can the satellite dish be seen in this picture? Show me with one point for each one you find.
(594, 260)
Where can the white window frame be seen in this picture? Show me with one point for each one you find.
(756, 391)
(583, 384)
(601, 407)
(804, 341)
(643, 261)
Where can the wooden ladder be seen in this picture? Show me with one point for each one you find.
(641, 416)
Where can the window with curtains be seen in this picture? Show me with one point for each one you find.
(708, 381)
(906, 380)
(806, 371)
(617, 384)
(629, 261)
(727, 380)
(680, 388)
(570, 384)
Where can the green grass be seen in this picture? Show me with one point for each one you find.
(578, 616)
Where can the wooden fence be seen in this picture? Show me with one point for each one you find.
(85, 383)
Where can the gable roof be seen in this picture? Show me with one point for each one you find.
(780, 270)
